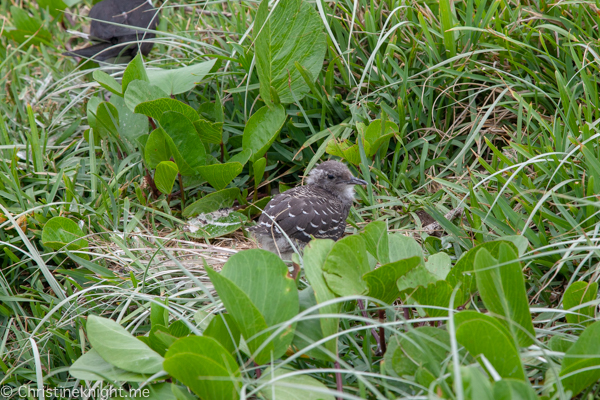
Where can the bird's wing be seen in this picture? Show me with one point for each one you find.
(137, 13)
(302, 214)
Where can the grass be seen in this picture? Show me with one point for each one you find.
(497, 109)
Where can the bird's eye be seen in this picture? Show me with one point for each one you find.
(330, 176)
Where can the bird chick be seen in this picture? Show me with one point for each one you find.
(135, 13)
(318, 209)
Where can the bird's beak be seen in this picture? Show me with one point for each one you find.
(356, 181)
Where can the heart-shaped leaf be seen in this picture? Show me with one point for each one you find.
(180, 80)
(577, 294)
(61, 232)
(345, 266)
(91, 367)
(135, 70)
(382, 281)
(139, 91)
(107, 82)
(157, 148)
(188, 152)
(220, 175)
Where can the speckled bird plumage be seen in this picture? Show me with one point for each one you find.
(318, 209)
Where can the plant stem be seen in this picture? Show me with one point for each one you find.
(182, 192)
(338, 380)
(361, 305)
(382, 332)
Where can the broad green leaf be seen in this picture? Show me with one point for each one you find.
(225, 331)
(139, 91)
(91, 367)
(165, 175)
(241, 286)
(344, 149)
(376, 241)
(118, 347)
(512, 389)
(216, 224)
(135, 70)
(188, 152)
(476, 385)
(560, 343)
(520, 242)
(315, 254)
(59, 232)
(261, 130)
(584, 354)
(484, 334)
(575, 295)
(502, 289)
(210, 132)
(402, 247)
(424, 347)
(156, 108)
(107, 82)
(242, 157)
(204, 366)
(157, 148)
(416, 277)
(281, 383)
(439, 265)
(180, 80)
(437, 294)
(212, 202)
(292, 32)
(375, 137)
(131, 126)
(220, 175)
(308, 330)
(382, 281)
(345, 266)
(464, 269)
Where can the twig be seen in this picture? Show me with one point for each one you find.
(338, 380)
(361, 305)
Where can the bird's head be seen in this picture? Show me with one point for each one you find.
(334, 177)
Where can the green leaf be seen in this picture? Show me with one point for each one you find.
(292, 32)
(315, 254)
(483, 334)
(308, 330)
(261, 130)
(157, 148)
(220, 175)
(135, 70)
(131, 126)
(204, 366)
(107, 82)
(402, 247)
(345, 266)
(212, 202)
(376, 241)
(424, 347)
(585, 353)
(512, 389)
(375, 136)
(92, 110)
(156, 108)
(225, 331)
(475, 384)
(280, 384)
(26, 28)
(188, 152)
(258, 168)
(118, 347)
(241, 286)
(382, 281)
(59, 232)
(439, 265)
(577, 294)
(437, 294)
(180, 80)
(210, 132)
(502, 289)
(107, 120)
(416, 277)
(344, 149)
(139, 91)
(164, 177)
(464, 270)
(242, 157)
(91, 367)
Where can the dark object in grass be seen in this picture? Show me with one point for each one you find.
(119, 43)
(318, 209)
